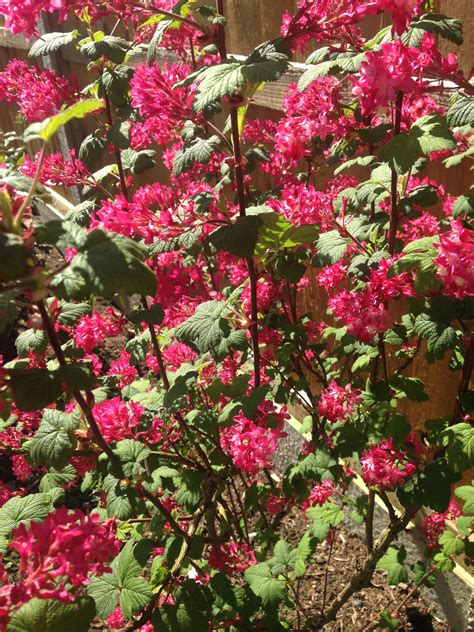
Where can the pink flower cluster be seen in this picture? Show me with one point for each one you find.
(320, 494)
(57, 555)
(252, 443)
(58, 171)
(163, 106)
(118, 420)
(399, 69)
(455, 260)
(384, 466)
(231, 558)
(337, 403)
(335, 19)
(21, 16)
(91, 331)
(37, 93)
(434, 524)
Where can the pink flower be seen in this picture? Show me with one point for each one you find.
(177, 354)
(455, 260)
(231, 558)
(60, 551)
(434, 524)
(385, 466)
(91, 331)
(118, 420)
(364, 313)
(57, 171)
(116, 621)
(320, 493)
(337, 403)
(38, 93)
(123, 369)
(164, 107)
(252, 443)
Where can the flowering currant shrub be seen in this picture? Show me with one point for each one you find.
(161, 344)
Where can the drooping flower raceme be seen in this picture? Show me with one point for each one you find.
(455, 260)
(337, 403)
(252, 443)
(57, 555)
(384, 466)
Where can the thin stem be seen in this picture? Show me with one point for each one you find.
(80, 399)
(326, 573)
(465, 378)
(369, 522)
(394, 216)
(240, 186)
(31, 191)
(178, 18)
(118, 156)
(156, 502)
(364, 575)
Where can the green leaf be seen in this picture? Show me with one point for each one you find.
(450, 29)
(332, 246)
(122, 502)
(104, 264)
(452, 544)
(21, 510)
(113, 48)
(433, 134)
(51, 42)
(283, 558)
(153, 315)
(34, 389)
(116, 84)
(207, 327)
(51, 615)
(71, 312)
(138, 161)
(57, 478)
(198, 150)
(460, 446)
(318, 466)
(92, 149)
(123, 586)
(15, 257)
(189, 484)
(54, 441)
(440, 335)
(303, 552)
(35, 340)
(387, 622)
(466, 493)
(393, 563)
(48, 128)
(331, 515)
(401, 152)
(260, 579)
(131, 453)
(461, 112)
(119, 134)
(77, 376)
(239, 238)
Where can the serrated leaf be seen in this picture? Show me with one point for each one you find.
(318, 466)
(332, 246)
(51, 615)
(131, 453)
(451, 543)
(54, 441)
(449, 28)
(283, 558)
(51, 42)
(48, 128)
(34, 389)
(112, 47)
(466, 494)
(238, 238)
(260, 579)
(460, 446)
(22, 510)
(138, 161)
(104, 264)
(303, 552)
(393, 563)
(57, 478)
(35, 340)
(207, 327)
(123, 586)
(198, 150)
(461, 112)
